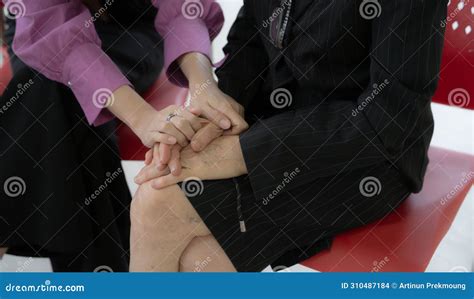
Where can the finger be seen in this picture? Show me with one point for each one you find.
(170, 129)
(157, 137)
(194, 110)
(184, 126)
(165, 181)
(175, 163)
(237, 121)
(236, 130)
(164, 151)
(148, 173)
(216, 117)
(205, 136)
(194, 120)
(148, 157)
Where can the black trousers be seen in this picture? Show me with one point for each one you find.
(73, 201)
(288, 225)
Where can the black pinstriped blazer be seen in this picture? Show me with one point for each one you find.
(360, 75)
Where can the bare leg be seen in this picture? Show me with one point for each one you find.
(204, 254)
(163, 224)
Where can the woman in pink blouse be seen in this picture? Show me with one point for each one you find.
(59, 146)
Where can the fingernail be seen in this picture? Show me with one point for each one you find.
(171, 139)
(225, 124)
(137, 179)
(173, 168)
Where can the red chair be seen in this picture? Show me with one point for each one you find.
(456, 86)
(405, 240)
(5, 69)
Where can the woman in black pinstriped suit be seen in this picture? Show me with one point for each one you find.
(337, 95)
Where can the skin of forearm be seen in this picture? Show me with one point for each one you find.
(129, 107)
(197, 68)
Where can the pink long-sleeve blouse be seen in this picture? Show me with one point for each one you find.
(54, 38)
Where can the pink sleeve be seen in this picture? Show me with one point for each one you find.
(186, 26)
(58, 39)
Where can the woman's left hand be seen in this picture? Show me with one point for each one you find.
(222, 159)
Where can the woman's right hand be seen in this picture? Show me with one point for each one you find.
(158, 127)
(153, 126)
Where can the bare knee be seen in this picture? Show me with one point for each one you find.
(152, 209)
(165, 212)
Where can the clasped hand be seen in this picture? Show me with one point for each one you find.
(202, 140)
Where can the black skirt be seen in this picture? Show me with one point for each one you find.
(290, 226)
(64, 193)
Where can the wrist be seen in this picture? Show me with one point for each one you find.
(130, 107)
(197, 69)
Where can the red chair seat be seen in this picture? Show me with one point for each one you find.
(405, 240)
(457, 67)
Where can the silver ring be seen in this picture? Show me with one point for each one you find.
(170, 116)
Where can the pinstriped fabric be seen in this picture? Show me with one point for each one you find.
(358, 91)
(380, 73)
(298, 223)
